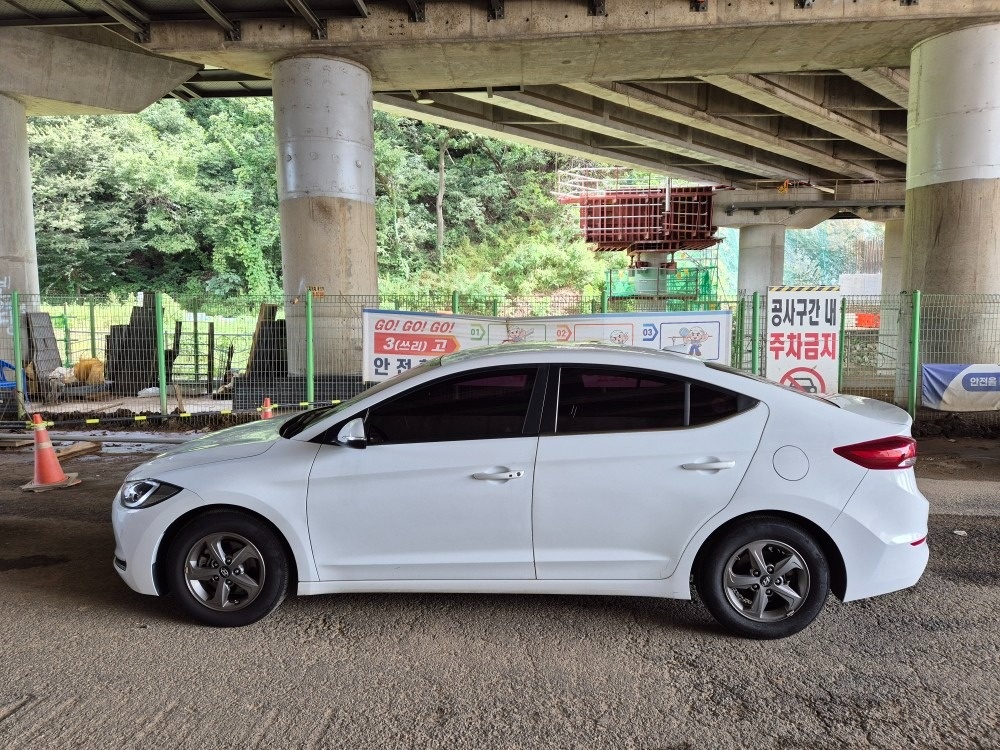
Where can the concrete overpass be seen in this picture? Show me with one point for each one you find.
(743, 93)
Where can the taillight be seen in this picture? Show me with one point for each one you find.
(885, 453)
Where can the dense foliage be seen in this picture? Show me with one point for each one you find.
(183, 198)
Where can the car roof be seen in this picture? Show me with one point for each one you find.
(536, 350)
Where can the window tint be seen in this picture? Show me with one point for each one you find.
(596, 400)
(617, 400)
(711, 404)
(471, 406)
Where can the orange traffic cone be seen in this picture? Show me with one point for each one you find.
(48, 473)
(265, 412)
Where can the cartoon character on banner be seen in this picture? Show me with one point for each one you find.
(692, 339)
(619, 337)
(517, 335)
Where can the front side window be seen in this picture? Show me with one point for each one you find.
(471, 406)
(619, 400)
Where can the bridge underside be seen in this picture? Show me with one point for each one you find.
(749, 94)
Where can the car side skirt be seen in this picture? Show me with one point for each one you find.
(659, 588)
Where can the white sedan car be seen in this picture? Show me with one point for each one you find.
(540, 469)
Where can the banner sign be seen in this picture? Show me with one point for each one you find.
(395, 341)
(960, 387)
(803, 332)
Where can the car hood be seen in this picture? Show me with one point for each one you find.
(243, 441)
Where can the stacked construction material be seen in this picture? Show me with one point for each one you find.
(652, 220)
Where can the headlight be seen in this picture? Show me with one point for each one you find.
(142, 493)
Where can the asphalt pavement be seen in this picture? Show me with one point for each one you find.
(85, 662)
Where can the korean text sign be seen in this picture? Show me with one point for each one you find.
(396, 341)
(803, 337)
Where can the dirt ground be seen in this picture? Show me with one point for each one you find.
(958, 458)
(87, 663)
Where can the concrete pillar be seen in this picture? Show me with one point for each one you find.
(893, 261)
(762, 257)
(326, 190)
(893, 258)
(18, 264)
(952, 229)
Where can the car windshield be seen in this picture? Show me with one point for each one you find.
(306, 419)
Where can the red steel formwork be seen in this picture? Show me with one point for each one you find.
(647, 220)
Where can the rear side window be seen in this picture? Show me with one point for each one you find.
(620, 400)
(470, 406)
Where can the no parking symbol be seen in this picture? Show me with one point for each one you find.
(804, 379)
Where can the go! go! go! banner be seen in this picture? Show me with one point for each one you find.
(395, 341)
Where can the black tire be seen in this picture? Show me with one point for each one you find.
(764, 555)
(227, 569)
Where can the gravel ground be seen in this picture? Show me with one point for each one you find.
(88, 663)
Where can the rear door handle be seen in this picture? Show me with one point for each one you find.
(514, 474)
(710, 466)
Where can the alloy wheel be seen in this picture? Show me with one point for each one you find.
(224, 572)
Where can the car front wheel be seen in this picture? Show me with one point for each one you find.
(765, 579)
(227, 569)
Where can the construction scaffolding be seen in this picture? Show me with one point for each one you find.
(666, 231)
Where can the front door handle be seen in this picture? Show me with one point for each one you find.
(499, 475)
(710, 466)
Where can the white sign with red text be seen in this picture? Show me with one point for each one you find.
(803, 337)
(395, 341)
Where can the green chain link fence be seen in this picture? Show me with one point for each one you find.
(155, 355)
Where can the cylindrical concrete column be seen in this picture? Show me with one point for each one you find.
(18, 263)
(952, 226)
(893, 260)
(326, 190)
(762, 257)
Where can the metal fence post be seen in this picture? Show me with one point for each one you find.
(15, 317)
(454, 303)
(310, 351)
(604, 300)
(496, 307)
(911, 402)
(67, 338)
(841, 348)
(93, 330)
(197, 354)
(755, 336)
(740, 332)
(161, 354)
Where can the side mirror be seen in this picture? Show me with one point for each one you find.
(352, 434)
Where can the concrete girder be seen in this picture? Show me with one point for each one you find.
(557, 42)
(892, 83)
(803, 219)
(479, 118)
(550, 103)
(863, 192)
(642, 99)
(805, 207)
(57, 75)
(843, 93)
(769, 94)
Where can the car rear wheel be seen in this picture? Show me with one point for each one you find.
(227, 569)
(765, 579)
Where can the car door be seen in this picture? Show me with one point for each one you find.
(442, 490)
(636, 462)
